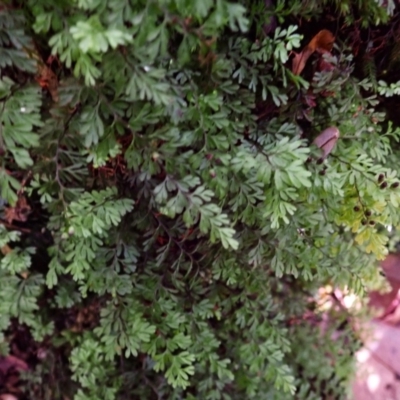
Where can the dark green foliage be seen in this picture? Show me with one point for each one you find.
(180, 226)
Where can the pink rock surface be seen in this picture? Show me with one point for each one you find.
(378, 364)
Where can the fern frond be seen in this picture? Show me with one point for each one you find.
(369, 69)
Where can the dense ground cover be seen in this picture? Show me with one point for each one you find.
(183, 184)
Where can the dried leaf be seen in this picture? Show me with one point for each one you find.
(47, 79)
(45, 76)
(18, 213)
(322, 42)
(12, 362)
(309, 99)
(300, 59)
(6, 249)
(327, 139)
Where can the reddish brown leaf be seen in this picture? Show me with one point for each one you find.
(309, 99)
(322, 42)
(327, 139)
(47, 79)
(300, 59)
(18, 213)
(12, 362)
(6, 249)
